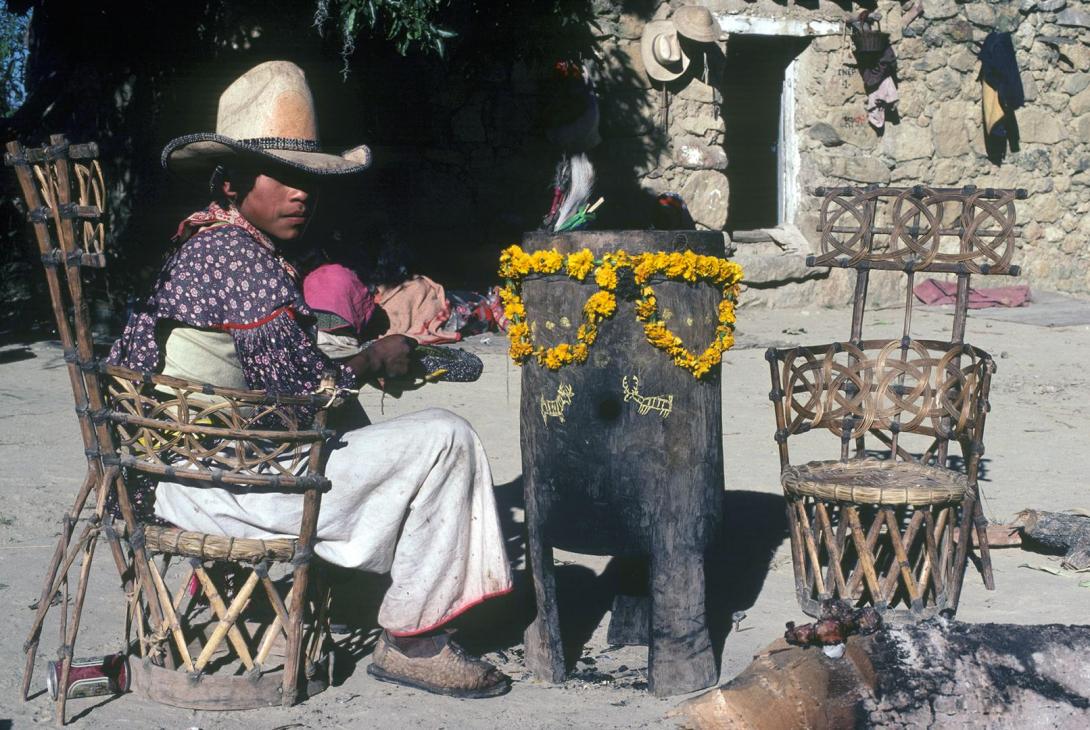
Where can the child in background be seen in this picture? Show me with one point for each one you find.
(344, 306)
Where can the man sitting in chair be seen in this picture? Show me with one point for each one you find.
(411, 496)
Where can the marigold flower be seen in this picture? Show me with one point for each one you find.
(606, 277)
(579, 264)
(600, 305)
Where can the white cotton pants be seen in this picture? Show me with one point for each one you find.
(412, 496)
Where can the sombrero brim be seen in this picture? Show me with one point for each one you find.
(658, 71)
(200, 153)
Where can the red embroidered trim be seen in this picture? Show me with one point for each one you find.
(453, 614)
(264, 320)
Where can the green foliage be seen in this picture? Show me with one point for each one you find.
(510, 28)
(13, 55)
(409, 24)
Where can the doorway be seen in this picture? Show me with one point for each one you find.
(758, 112)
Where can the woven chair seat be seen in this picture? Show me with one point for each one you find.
(174, 540)
(871, 481)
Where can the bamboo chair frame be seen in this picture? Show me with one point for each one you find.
(961, 231)
(867, 530)
(170, 429)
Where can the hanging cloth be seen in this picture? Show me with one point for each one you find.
(1001, 93)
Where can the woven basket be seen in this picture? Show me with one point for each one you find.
(871, 41)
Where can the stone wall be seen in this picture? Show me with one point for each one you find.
(938, 139)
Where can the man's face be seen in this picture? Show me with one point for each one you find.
(279, 204)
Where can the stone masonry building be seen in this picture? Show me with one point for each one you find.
(789, 68)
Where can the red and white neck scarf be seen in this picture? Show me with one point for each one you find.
(215, 215)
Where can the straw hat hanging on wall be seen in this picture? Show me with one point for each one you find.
(696, 22)
(661, 51)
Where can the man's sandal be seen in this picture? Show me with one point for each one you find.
(451, 672)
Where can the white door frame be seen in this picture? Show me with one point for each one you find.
(787, 148)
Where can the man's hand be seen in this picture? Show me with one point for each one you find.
(389, 357)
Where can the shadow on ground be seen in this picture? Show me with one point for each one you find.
(737, 563)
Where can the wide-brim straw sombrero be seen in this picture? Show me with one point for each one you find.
(662, 55)
(266, 114)
(696, 22)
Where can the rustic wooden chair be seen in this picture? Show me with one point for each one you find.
(871, 530)
(943, 231)
(146, 426)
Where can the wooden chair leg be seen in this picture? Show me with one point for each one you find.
(81, 595)
(227, 621)
(30, 647)
(981, 524)
(170, 618)
(962, 553)
(221, 611)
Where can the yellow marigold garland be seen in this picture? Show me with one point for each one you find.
(516, 264)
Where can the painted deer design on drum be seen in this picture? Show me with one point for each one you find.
(663, 404)
(557, 405)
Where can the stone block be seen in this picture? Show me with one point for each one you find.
(630, 26)
(948, 132)
(910, 173)
(1043, 208)
(1029, 86)
(1074, 18)
(707, 195)
(1040, 126)
(1082, 129)
(906, 142)
(963, 60)
(1078, 58)
(940, 9)
(981, 14)
(826, 134)
(693, 154)
(1080, 103)
(961, 31)
(697, 90)
(1056, 101)
(1074, 83)
(944, 83)
(857, 168)
(1051, 6)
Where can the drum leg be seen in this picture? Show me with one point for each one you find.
(544, 649)
(630, 623)
(680, 658)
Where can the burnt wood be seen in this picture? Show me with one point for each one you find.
(1069, 534)
(602, 477)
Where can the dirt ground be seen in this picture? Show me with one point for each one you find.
(1036, 443)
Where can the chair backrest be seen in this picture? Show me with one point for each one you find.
(164, 426)
(204, 435)
(960, 231)
(885, 388)
(159, 425)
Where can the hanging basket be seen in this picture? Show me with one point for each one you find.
(870, 41)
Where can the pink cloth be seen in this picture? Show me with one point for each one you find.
(417, 308)
(882, 98)
(334, 288)
(943, 292)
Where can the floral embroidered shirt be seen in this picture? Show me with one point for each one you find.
(224, 277)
